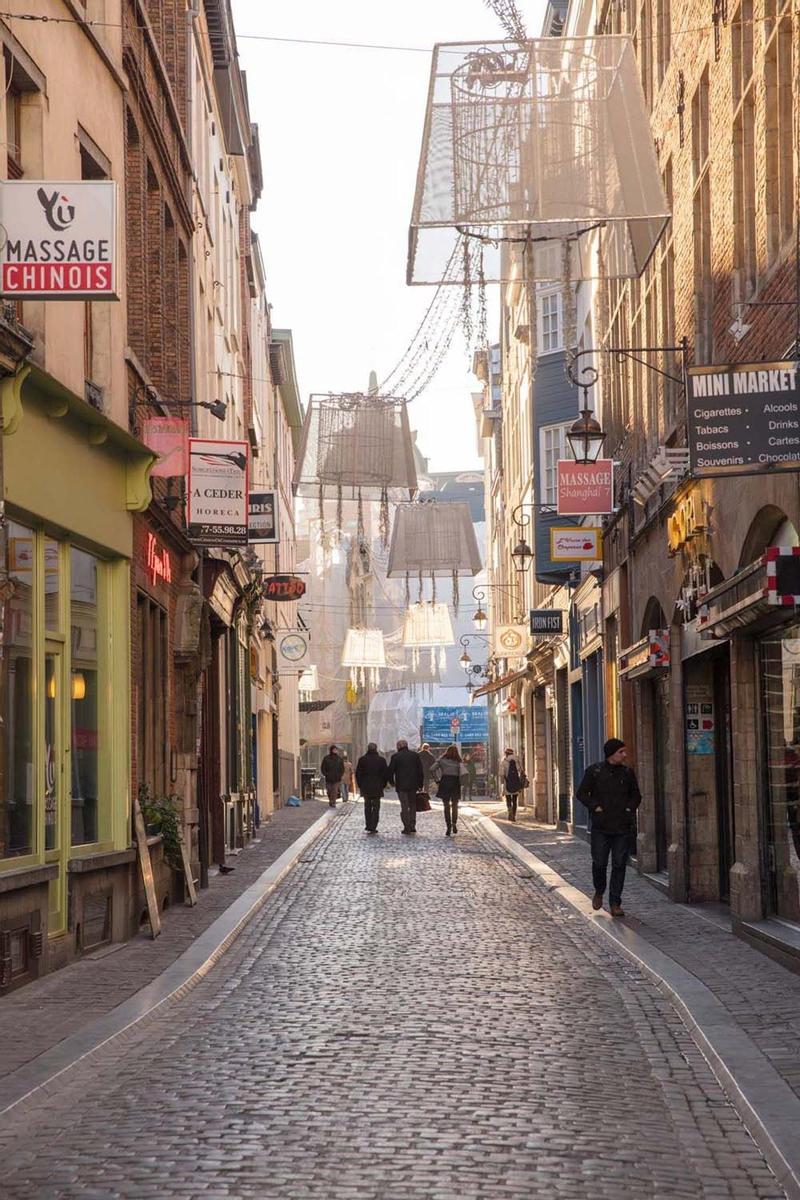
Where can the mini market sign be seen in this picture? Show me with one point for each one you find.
(58, 239)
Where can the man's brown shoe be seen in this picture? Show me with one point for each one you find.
(597, 901)
(617, 910)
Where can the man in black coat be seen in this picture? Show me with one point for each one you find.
(407, 776)
(610, 792)
(372, 774)
(332, 769)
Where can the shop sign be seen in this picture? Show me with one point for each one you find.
(292, 648)
(585, 489)
(783, 574)
(217, 492)
(262, 518)
(283, 587)
(699, 723)
(59, 239)
(547, 621)
(582, 543)
(159, 563)
(510, 641)
(744, 418)
(438, 724)
(168, 437)
(686, 523)
(651, 653)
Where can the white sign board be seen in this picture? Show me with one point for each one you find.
(293, 649)
(583, 543)
(58, 239)
(217, 513)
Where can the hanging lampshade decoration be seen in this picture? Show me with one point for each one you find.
(356, 447)
(434, 539)
(365, 655)
(427, 626)
(308, 682)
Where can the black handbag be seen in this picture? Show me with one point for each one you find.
(422, 802)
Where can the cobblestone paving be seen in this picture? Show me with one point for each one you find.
(38, 1016)
(760, 994)
(406, 1019)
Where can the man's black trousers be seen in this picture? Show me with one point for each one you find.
(617, 845)
(372, 811)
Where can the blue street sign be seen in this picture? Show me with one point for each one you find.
(445, 725)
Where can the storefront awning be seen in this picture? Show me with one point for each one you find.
(497, 685)
(308, 706)
(740, 600)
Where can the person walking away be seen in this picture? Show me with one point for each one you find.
(610, 792)
(511, 776)
(332, 769)
(348, 779)
(372, 774)
(428, 759)
(450, 770)
(472, 772)
(407, 777)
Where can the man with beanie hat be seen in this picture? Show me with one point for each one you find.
(610, 792)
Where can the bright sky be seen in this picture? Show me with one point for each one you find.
(340, 135)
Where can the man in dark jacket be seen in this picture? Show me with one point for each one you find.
(428, 760)
(332, 769)
(610, 792)
(407, 776)
(372, 774)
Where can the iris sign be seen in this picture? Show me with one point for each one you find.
(59, 239)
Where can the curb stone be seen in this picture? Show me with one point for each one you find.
(171, 985)
(767, 1106)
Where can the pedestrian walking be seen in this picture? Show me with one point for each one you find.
(472, 774)
(610, 792)
(372, 775)
(428, 759)
(348, 779)
(407, 776)
(332, 769)
(511, 776)
(450, 771)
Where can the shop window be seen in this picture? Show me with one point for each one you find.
(552, 447)
(85, 696)
(151, 721)
(17, 778)
(780, 681)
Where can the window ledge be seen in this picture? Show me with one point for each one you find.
(101, 861)
(25, 877)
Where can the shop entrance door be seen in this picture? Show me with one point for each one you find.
(723, 751)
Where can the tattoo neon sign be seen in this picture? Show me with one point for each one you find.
(159, 564)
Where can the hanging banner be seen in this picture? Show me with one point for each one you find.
(576, 543)
(443, 725)
(217, 513)
(510, 641)
(744, 418)
(262, 518)
(168, 437)
(59, 239)
(585, 489)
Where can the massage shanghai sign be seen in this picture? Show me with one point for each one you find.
(217, 492)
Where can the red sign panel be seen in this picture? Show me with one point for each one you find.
(168, 437)
(283, 587)
(585, 489)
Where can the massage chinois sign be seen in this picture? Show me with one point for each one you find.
(58, 239)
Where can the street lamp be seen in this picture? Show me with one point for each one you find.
(465, 660)
(480, 619)
(586, 437)
(217, 408)
(522, 555)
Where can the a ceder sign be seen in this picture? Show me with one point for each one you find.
(744, 417)
(59, 239)
(585, 489)
(217, 513)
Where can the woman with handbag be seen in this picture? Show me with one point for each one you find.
(449, 771)
(511, 775)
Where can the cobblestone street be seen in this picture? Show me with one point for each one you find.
(405, 1019)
